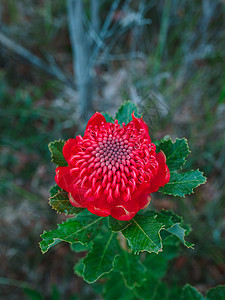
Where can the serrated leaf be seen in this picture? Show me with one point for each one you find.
(61, 203)
(216, 293)
(179, 232)
(109, 119)
(175, 152)
(182, 184)
(124, 114)
(144, 233)
(56, 153)
(191, 293)
(55, 189)
(100, 259)
(116, 225)
(131, 269)
(83, 228)
(174, 225)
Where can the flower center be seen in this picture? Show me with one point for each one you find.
(112, 152)
(113, 161)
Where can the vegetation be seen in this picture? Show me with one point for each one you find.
(172, 65)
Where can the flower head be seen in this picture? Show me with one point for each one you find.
(112, 169)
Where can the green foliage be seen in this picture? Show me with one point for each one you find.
(61, 203)
(82, 228)
(116, 225)
(157, 264)
(56, 152)
(152, 289)
(125, 111)
(144, 231)
(100, 259)
(180, 184)
(191, 293)
(114, 288)
(32, 294)
(131, 269)
(112, 246)
(79, 268)
(176, 152)
(144, 234)
(55, 189)
(215, 293)
(78, 247)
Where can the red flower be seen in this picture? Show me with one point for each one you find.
(112, 169)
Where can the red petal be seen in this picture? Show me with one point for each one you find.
(124, 211)
(140, 124)
(163, 174)
(69, 148)
(64, 179)
(144, 201)
(76, 200)
(96, 120)
(141, 195)
(99, 207)
(101, 212)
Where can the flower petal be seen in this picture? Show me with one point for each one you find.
(141, 195)
(77, 200)
(69, 148)
(163, 174)
(64, 179)
(96, 120)
(140, 124)
(124, 211)
(99, 207)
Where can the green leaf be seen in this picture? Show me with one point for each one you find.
(191, 293)
(216, 293)
(54, 190)
(157, 264)
(131, 269)
(124, 114)
(115, 289)
(116, 225)
(174, 225)
(56, 153)
(182, 184)
(79, 268)
(175, 152)
(61, 203)
(144, 233)
(78, 247)
(83, 228)
(100, 260)
(109, 119)
(152, 289)
(179, 232)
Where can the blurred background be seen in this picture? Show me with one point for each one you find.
(60, 61)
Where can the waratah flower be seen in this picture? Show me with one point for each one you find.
(112, 169)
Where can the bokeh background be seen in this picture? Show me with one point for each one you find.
(60, 61)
